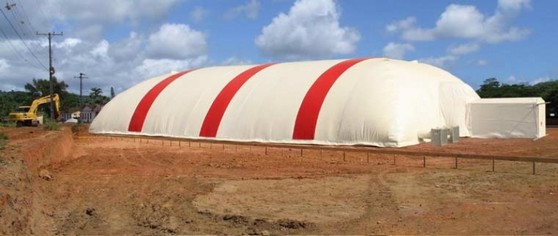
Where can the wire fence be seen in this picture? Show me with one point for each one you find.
(300, 150)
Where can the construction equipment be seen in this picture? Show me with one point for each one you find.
(27, 115)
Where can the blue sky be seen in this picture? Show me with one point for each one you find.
(122, 42)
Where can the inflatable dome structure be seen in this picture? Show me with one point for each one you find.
(372, 101)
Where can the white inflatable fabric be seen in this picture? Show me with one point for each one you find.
(379, 102)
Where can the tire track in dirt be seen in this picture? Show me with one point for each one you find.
(125, 157)
(381, 206)
(167, 162)
(149, 160)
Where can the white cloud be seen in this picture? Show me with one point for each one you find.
(126, 48)
(118, 62)
(198, 14)
(406, 23)
(101, 49)
(251, 9)
(112, 11)
(68, 43)
(151, 68)
(397, 50)
(176, 41)
(4, 66)
(310, 30)
(236, 61)
(512, 80)
(540, 80)
(454, 54)
(121, 64)
(482, 62)
(459, 21)
(442, 62)
(467, 22)
(513, 5)
(91, 19)
(464, 49)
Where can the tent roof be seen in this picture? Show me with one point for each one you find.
(527, 100)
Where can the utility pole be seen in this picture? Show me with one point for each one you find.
(80, 77)
(51, 69)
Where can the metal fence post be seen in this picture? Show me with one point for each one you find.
(534, 167)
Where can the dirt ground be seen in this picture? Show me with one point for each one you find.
(64, 182)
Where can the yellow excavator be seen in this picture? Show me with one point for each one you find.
(27, 115)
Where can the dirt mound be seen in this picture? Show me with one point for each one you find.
(29, 150)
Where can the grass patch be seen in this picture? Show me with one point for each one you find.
(77, 128)
(51, 125)
(3, 140)
(7, 124)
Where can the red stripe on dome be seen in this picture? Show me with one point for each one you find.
(217, 110)
(138, 118)
(307, 117)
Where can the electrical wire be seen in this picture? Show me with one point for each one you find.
(7, 39)
(40, 6)
(23, 41)
(21, 16)
(29, 23)
(24, 24)
(19, 22)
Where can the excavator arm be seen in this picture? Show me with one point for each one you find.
(46, 99)
(56, 107)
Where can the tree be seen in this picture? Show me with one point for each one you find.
(41, 87)
(489, 88)
(96, 96)
(9, 101)
(95, 92)
(112, 92)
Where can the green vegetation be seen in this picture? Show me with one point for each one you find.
(96, 96)
(51, 125)
(492, 88)
(10, 100)
(8, 124)
(3, 140)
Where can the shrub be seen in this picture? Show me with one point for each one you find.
(3, 140)
(51, 125)
(7, 124)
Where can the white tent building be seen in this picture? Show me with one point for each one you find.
(380, 102)
(507, 118)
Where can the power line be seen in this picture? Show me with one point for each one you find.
(40, 6)
(25, 25)
(23, 41)
(29, 24)
(16, 51)
(16, 18)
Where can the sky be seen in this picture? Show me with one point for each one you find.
(119, 43)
